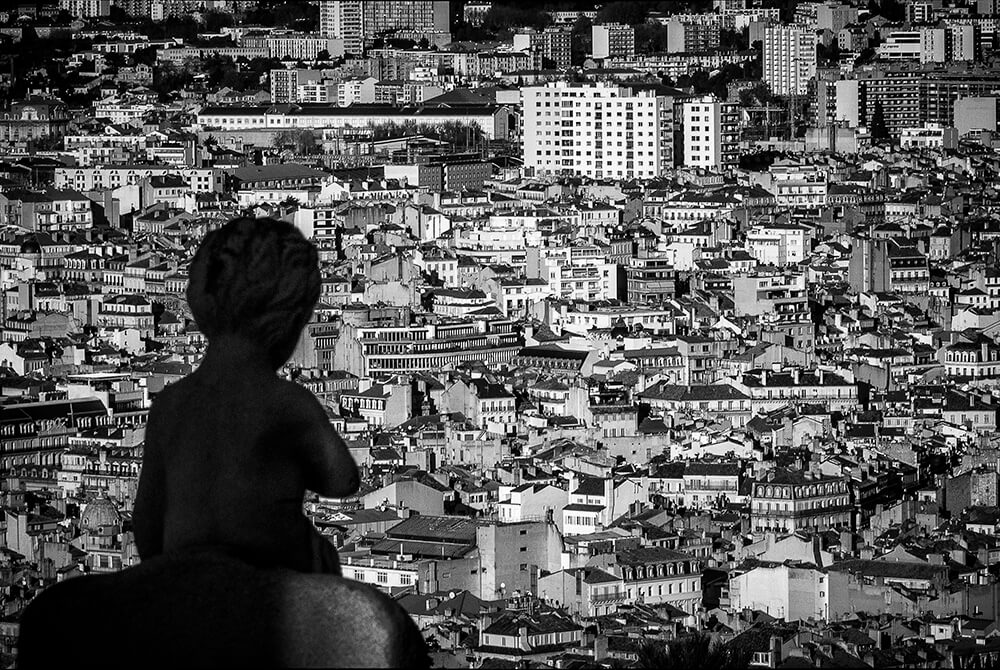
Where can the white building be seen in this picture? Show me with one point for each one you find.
(789, 58)
(200, 180)
(778, 243)
(577, 272)
(711, 133)
(121, 113)
(531, 502)
(353, 20)
(613, 39)
(343, 19)
(930, 136)
(86, 9)
(595, 503)
(597, 130)
(926, 45)
(784, 591)
(382, 573)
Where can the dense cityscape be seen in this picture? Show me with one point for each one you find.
(657, 330)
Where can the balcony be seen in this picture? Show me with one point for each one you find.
(696, 487)
(609, 599)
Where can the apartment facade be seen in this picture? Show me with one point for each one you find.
(613, 40)
(789, 58)
(711, 133)
(353, 21)
(597, 130)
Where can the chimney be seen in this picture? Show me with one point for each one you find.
(796, 376)
(600, 648)
(763, 377)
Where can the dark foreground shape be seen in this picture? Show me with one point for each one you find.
(211, 610)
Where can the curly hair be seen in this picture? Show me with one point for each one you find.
(258, 278)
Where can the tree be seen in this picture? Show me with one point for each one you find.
(879, 129)
(504, 18)
(734, 40)
(169, 78)
(692, 652)
(891, 10)
(631, 13)
(215, 20)
(284, 139)
(305, 142)
(581, 40)
(323, 55)
(650, 38)
(828, 54)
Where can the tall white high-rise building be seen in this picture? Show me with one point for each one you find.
(597, 130)
(710, 132)
(354, 20)
(789, 58)
(343, 19)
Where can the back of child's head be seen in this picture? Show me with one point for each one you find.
(256, 278)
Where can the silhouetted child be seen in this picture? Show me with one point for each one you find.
(231, 448)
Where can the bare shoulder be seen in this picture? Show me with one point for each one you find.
(173, 394)
(296, 400)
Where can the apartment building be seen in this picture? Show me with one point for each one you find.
(711, 133)
(492, 120)
(789, 58)
(778, 243)
(691, 36)
(651, 280)
(656, 575)
(100, 178)
(574, 272)
(296, 46)
(354, 21)
(553, 44)
(49, 210)
(786, 501)
(368, 349)
(925, 45)
(611, 40)
(913, 96)
(597, 130)
(343, 19)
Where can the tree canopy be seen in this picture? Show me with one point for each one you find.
(693, 652)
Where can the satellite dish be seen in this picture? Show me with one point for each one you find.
(502, 586)
(451, 594)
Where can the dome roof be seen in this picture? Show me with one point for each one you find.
(31, 246)
(100, 513)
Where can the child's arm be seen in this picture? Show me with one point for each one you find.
(150, 499)
(330, 470)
